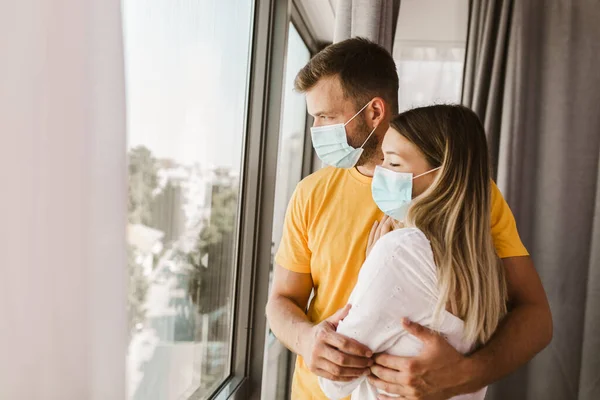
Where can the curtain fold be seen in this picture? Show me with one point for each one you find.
(372, 19)
(63, 290)
(486, 64)
(532, 76)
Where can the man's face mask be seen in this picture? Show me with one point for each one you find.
(331, 144)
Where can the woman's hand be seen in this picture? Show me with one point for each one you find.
(378, 230)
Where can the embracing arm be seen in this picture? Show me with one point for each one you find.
(363, 324)
(285, 309)
(325, 352)
(527, 328)
(440, 372)
(394, 281)
(524, 332)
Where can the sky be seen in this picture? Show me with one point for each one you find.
(186, 78)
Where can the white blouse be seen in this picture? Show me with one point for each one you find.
(398, 279)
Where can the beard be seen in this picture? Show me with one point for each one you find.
(359, 135)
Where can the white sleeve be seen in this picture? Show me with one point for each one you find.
(384, 293)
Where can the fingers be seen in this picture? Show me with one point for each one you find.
(372, 237)
(328, 375)
(342, 359)
(397, 224)
(347, 345)
(423, 334)
(384, 397)
(372, 233)
(383, 227)
(340, 314)
(387, 387)
(387, 225)
(396, 363)
(341, 371)
(389, 375)
(405, 392)
(378, 230)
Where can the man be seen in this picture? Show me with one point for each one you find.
(326, 230)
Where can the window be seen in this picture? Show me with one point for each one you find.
(187, 82)
(289, 172)
(429, 50)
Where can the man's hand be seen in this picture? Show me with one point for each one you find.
(334, 356)
(432, 375)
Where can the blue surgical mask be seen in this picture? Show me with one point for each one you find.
(331, 144)
(392, 191)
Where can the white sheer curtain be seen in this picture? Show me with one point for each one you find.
(63, 204)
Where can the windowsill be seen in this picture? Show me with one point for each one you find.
(232, 389)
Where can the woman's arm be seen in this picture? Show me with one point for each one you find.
(380, 299)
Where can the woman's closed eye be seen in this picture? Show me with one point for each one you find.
(391, 164)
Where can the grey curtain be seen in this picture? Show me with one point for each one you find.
(372, 19)
(532, 74)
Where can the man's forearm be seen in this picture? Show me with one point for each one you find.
(288, 322)
(525, 331)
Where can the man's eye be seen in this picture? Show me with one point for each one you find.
(394, 165)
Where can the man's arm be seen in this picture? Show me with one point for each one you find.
(325, 352)
(285, 308)
(440, 372)
(526, 330)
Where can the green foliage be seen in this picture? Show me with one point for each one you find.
(210, 261)
(143, 180)
(138, 288)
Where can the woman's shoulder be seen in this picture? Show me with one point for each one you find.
(404, 238)
(405, 250)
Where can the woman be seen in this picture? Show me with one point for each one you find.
(440, 268)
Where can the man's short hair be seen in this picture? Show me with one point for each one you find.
(365, 70)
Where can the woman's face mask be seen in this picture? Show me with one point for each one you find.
(331, 144)
(392, 191)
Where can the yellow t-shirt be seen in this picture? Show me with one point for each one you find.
(325, 233)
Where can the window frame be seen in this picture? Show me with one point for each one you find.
(257, 188)
(306, 169)
(257, 192)
(314, 47)
(255, 159)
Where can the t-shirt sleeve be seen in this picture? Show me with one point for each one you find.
(293, 253)
(393, 283)
(504, 228)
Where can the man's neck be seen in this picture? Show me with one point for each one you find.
(367, 169)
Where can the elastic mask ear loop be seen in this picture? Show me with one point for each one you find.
(368, 137)
(425, 173)
(361, 110)
(355, 115)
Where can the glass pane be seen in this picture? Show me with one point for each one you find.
(429, 75)
(187, 81)
(292, 133)
(289, 173)
(429, 50)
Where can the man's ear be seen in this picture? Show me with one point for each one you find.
(377, 111)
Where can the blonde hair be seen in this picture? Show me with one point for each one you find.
(454, 214)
